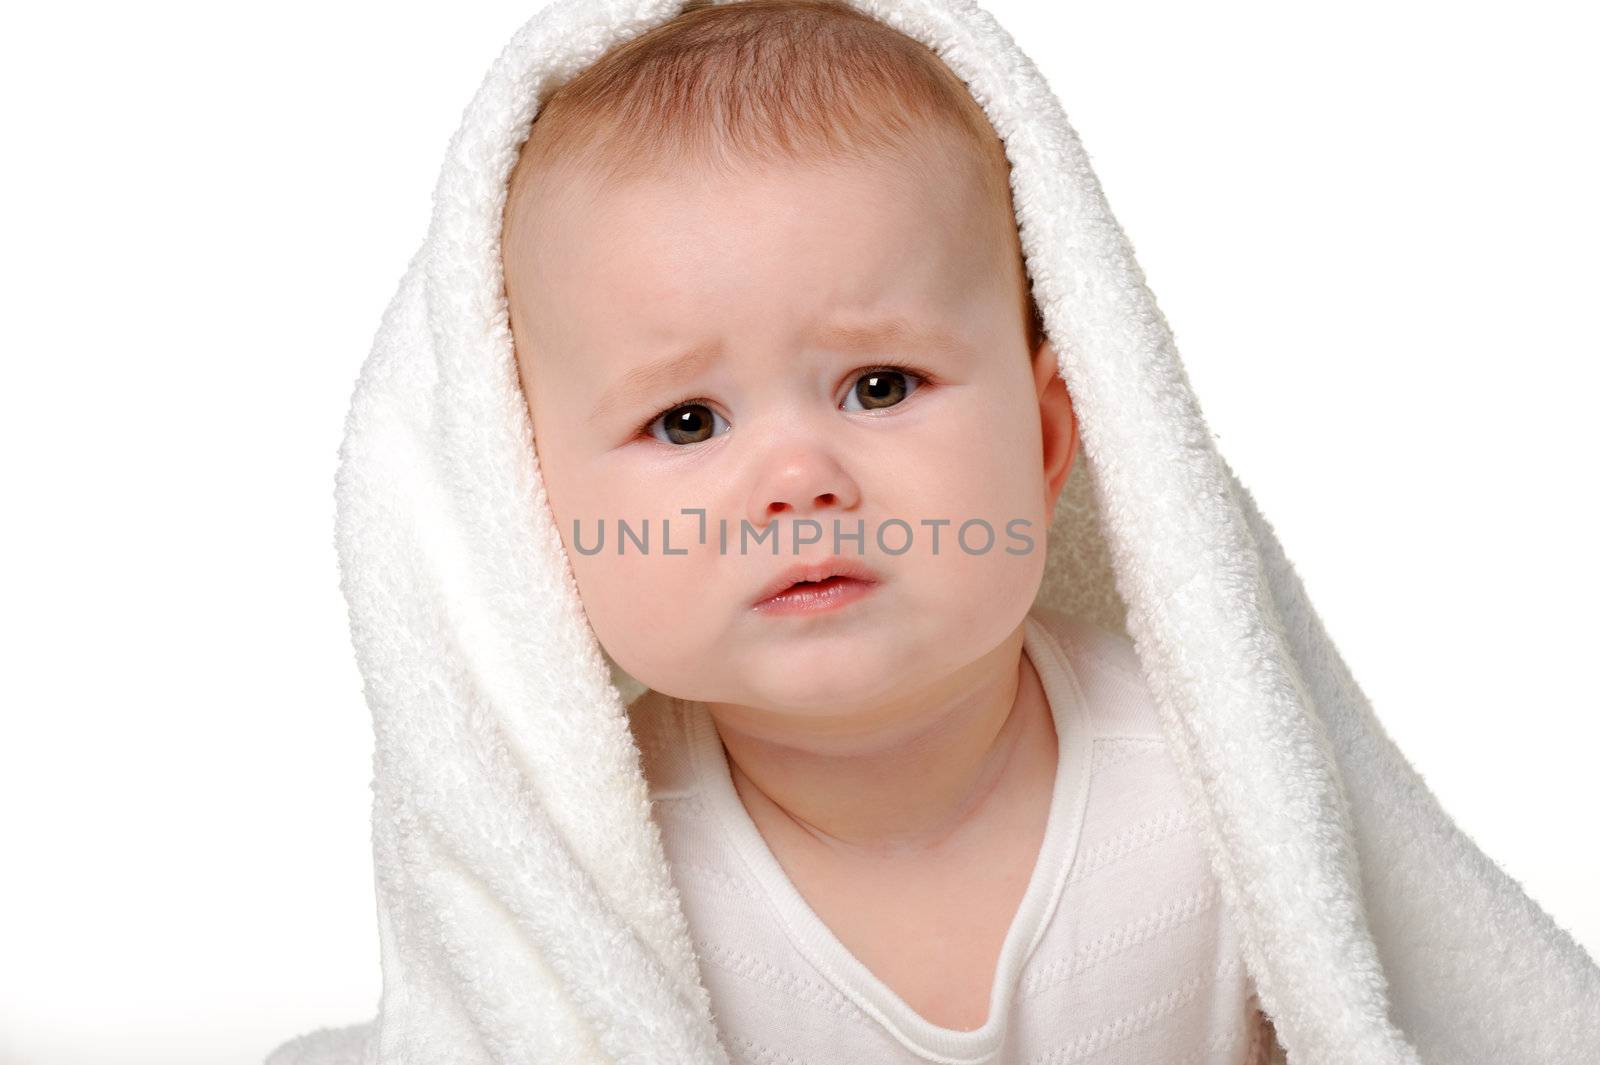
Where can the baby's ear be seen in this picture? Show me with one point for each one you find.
(1057, 423)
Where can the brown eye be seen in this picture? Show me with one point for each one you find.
(688, 423)
(877, 389)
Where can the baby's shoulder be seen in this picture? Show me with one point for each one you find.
(1116, 697)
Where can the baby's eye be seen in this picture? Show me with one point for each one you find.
(687, 423)
(883, 387)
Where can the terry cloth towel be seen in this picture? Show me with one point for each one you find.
(525, 910)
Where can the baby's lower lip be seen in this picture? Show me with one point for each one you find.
(831, 594)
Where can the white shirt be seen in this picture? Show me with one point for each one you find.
(1120, 953)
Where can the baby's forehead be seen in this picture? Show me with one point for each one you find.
(677, 248)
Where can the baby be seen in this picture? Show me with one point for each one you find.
(768, 299)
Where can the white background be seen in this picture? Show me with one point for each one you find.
(1371, 225)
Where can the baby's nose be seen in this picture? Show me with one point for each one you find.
(804, 482)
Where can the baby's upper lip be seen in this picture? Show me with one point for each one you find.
(819, 569)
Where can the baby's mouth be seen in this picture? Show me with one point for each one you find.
(823, 577)
(805, 597)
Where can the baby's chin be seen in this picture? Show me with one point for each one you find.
(798, 696)
(818, 678)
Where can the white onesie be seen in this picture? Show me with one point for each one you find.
(1120, 953)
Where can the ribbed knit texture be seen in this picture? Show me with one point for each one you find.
(1119, 953)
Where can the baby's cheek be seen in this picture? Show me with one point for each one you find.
(653, 613)
(989, 557)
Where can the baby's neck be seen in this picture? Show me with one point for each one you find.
(956, 768)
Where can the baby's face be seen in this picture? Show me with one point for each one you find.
(781, 280)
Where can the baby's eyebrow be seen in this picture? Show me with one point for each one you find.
(864, 337)
(644, 380)
(890, 333)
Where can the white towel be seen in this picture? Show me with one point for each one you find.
(525, 910)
